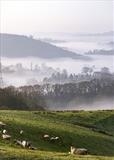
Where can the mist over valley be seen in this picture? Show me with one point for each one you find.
(56, 79)
(58, 59)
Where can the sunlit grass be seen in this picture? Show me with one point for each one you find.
(70, 126)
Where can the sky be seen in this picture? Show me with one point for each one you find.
(32, 16)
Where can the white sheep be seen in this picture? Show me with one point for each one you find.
(54, 139)
(79, 151)
(4, 131)
(6, 136)
(46, 136)
(25, 144)
(57, 138)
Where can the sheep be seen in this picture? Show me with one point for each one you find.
(57, 138)
(81, 151)
(4, 131)
(51, 139)
(78, 151)
(6, 136)
(25, 144)
(54, 139)
(46, 137)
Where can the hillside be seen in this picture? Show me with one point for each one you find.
(15, 46)
(92, 130)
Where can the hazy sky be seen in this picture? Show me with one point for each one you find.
(31, 16)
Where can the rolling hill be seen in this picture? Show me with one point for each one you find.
(15, 46)
(92, 130)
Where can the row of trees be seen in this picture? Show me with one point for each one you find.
(12, 98)
(69, 91)
(87, 73)
(85, 88)
(37, 97)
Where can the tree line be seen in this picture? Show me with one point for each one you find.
(36, 97)
(87, 74)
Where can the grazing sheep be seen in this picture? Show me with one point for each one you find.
(4, 131)
(6, 136)
(54, 139)
(46, 137)
(57, 138)
(81, 151)
(25, 144)
(78, 151)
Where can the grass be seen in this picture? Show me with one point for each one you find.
(73, 128)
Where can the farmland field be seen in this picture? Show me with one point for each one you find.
(93, 130)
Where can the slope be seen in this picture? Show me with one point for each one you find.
(22, 46)
(36, 124)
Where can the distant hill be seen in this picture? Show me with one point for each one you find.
(23, 46)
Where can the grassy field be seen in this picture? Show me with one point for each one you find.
(91, 130)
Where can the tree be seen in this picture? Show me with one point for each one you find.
(87, 70)
(105, 70)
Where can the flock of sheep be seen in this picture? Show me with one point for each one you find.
(27, 144)
(22, 143)
(73, 150)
